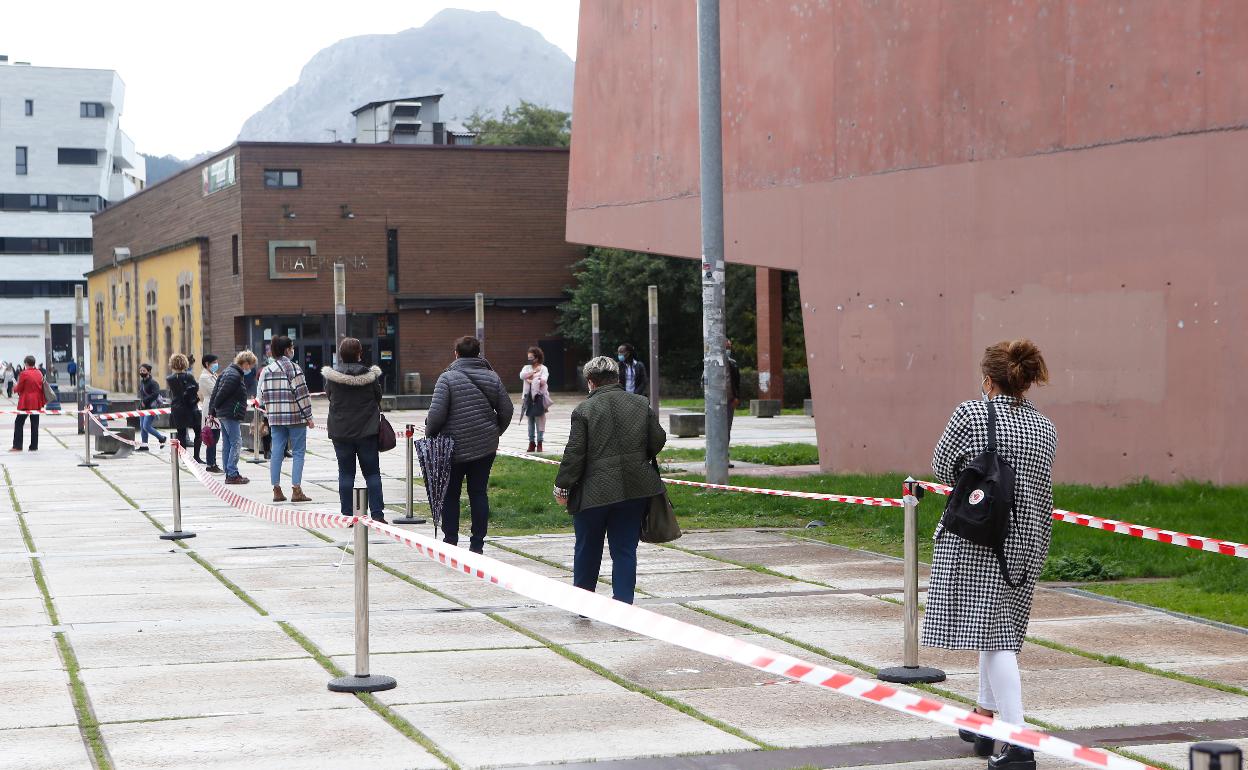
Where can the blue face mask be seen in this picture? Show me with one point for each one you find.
(621, 358)
(215, 366)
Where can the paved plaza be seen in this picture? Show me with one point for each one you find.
(216, 652)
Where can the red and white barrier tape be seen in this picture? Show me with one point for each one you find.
(135, 413)
(104, 428)
(1196, 542)
(292, 516)
(882, 502)
(64, 412)
(667, 629)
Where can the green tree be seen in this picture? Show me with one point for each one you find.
(528, 125)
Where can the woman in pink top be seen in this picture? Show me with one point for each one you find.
(535, 377)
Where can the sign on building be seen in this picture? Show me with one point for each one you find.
(218, 176)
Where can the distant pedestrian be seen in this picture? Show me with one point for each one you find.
(149, 398)
(207, 384)
(535, 381)
(734, 388)
(72, 368)
(354, 417)
(632, 372)
(30, 397)
(283, 394)
(184, 401)
(229, 405)
(10, 378)
(608, 476)
(471, 406)
(970, 606)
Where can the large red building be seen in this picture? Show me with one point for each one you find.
(947, 176)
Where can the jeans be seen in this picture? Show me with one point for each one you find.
(297, 437)
(620, 523)
(231, 443)
(537, 429)
(478, 474)
(347, 452)
(19, 429)
(146, 429)
(212, 450)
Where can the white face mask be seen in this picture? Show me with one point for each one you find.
(983, 393)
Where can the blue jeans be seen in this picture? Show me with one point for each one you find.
(212, 450)
(146, 429)
(620, 523)
(347, 452)
(231, 444)
(297, 437)
(478, 474)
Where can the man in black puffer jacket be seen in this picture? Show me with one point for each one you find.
(471, 406)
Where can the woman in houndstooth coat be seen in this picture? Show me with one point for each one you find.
(969, 605)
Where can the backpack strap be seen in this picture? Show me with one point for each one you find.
(992, 427)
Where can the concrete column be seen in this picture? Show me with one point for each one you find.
(770, 311)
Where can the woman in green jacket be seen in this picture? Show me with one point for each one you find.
(608, 476)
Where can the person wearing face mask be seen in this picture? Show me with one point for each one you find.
(632, 372)
(149, 397)
(534, 378)
(970, 606)
(229, 405)
(208, 383)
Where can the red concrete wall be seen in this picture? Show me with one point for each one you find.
(1072, 172)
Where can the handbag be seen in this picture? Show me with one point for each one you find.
(386, 439)
(658, 524)
(49, 397)
(981, 505)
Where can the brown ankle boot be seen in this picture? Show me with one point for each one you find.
(278, 497)
(297, 495)
(539, 447)
(532, 446)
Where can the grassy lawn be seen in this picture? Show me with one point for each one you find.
(1216, 585)
(779, 454)
(699, 404)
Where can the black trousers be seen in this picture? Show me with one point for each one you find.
(19, 426)
(478, 474)
(195, 424)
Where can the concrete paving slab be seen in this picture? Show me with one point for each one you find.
(717, 583)
(29, 650)
(271, 687)
(1149, 637)
(866, 574)
(268, 557)
(150, 644)
(478, 593)
(788, 552)
(302, 740)
(788, 614)
(213, 600)
(23, 587)
(733, 539)
(22, 612)
(1176, 754)
(392, 594)
(43, 748)
(406, 632)
(1232, 671)
(37, 699)
(1053, 604)
(563, 627)
(565, 729)
(971, 763)
(480, 675)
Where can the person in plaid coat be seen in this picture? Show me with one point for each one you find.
(283, 393)
(969, 605)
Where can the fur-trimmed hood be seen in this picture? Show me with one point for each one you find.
(355, 375)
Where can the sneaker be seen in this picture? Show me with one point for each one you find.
(237, 480)
(297, 495)
(143, 448)
(278, 497)
(214, 469)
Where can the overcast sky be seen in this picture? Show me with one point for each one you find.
(195, 71)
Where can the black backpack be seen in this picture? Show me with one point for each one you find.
(980, 506)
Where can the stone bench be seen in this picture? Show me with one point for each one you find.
(388, 403)
(107, 445)
(809, 406)
(765, 407)
(412, 402)
(687, 424)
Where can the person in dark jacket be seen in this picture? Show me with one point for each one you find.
(471, 406)
(354, 392)
(29, 390)
(229, 405)
(149, 398)
(608, 476)
(184, 401)
(632, 372)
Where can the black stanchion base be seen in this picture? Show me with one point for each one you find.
(371, 683)
(88, 465)
(407, 520)
(908, 675)
(179, 535)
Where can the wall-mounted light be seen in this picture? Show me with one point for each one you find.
(346, 211)
(286, 212)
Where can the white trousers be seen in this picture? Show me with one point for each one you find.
(1000, 686)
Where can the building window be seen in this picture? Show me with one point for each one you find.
(392, 260)
(21, 160)
(127, 298)
(184, 317)
(91, 110)
(168, 344)
(151, 324)
(99, 330)
(77, 156)
(30, 107)
(234, 252)
(283, 178)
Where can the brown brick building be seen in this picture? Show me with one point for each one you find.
(420, 229)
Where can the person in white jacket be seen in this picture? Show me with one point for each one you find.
(536, 377)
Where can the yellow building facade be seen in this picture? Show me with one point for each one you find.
(144, 309)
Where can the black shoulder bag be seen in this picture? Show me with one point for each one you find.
(981, 504)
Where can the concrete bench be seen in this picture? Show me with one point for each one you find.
(809, 406)
(111, 447)
(388, 403)
(765, 407)
(687, 424)
(414, 401)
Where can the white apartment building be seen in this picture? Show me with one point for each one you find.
(62, 158)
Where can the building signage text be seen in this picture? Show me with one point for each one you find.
(218, 176)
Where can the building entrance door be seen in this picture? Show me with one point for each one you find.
(312, 355)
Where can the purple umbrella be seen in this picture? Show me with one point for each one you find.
(435, 465)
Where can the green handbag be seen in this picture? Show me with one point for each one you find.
(659, 525)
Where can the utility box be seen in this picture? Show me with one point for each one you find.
(411, 384)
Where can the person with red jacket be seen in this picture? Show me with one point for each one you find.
(29, 390)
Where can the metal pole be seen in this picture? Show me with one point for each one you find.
(410, 518)
(711, 159)
(593, 325)
(910, 671)
(479, 303)
(1215, 756)
(47, 343)
(362, 681)
(175, 462)
(256, 421)
(80, 360)
(340, 306)
(652, 297)
(86, 434)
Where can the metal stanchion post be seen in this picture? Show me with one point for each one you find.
(910, 671)
(256, 422)
(362, 681)
(175, 462)
(410, 518)
(1215, 756)
(85, 416)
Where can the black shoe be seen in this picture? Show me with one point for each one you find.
(379, 517)
(983, 744)
(214, 469)
(162, 442)
(1013, 758)
(142, 449)
(477, 549)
